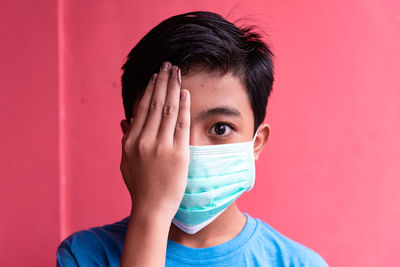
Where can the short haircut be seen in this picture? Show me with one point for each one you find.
(206, 40)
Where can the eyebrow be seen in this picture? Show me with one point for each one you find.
(227, 111)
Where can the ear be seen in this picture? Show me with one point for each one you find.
(124, 126)
(262, 137)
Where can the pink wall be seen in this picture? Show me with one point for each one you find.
(29, 171)
(328, 177)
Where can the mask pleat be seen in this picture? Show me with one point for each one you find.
(212, 198)
(208, 183)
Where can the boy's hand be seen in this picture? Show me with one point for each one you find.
(155, 149)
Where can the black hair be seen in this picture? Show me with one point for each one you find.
(206, 40)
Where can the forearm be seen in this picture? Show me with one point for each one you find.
(146, 239)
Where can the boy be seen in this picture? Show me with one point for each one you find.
(191, 136)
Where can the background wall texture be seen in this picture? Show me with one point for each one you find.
(328, 178)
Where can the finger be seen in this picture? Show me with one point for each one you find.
(170, 110)
(182, 128)
(152, 123)
(141, 111)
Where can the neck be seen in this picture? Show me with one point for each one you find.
(224, 228)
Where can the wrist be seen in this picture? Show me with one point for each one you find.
(150, 213)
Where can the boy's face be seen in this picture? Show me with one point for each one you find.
(221, 111)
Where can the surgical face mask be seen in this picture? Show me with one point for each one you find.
(218, 174)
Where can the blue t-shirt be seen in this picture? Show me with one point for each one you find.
(258, 244)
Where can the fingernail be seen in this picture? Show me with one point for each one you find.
(183, 94)
(165, 66)
(153, 78)
(179, 75)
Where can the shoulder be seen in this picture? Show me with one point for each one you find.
(93, 246)
(287, 251)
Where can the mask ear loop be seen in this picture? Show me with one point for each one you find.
(255, 135)
(252, 164)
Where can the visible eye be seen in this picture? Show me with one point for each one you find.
(221, 129)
